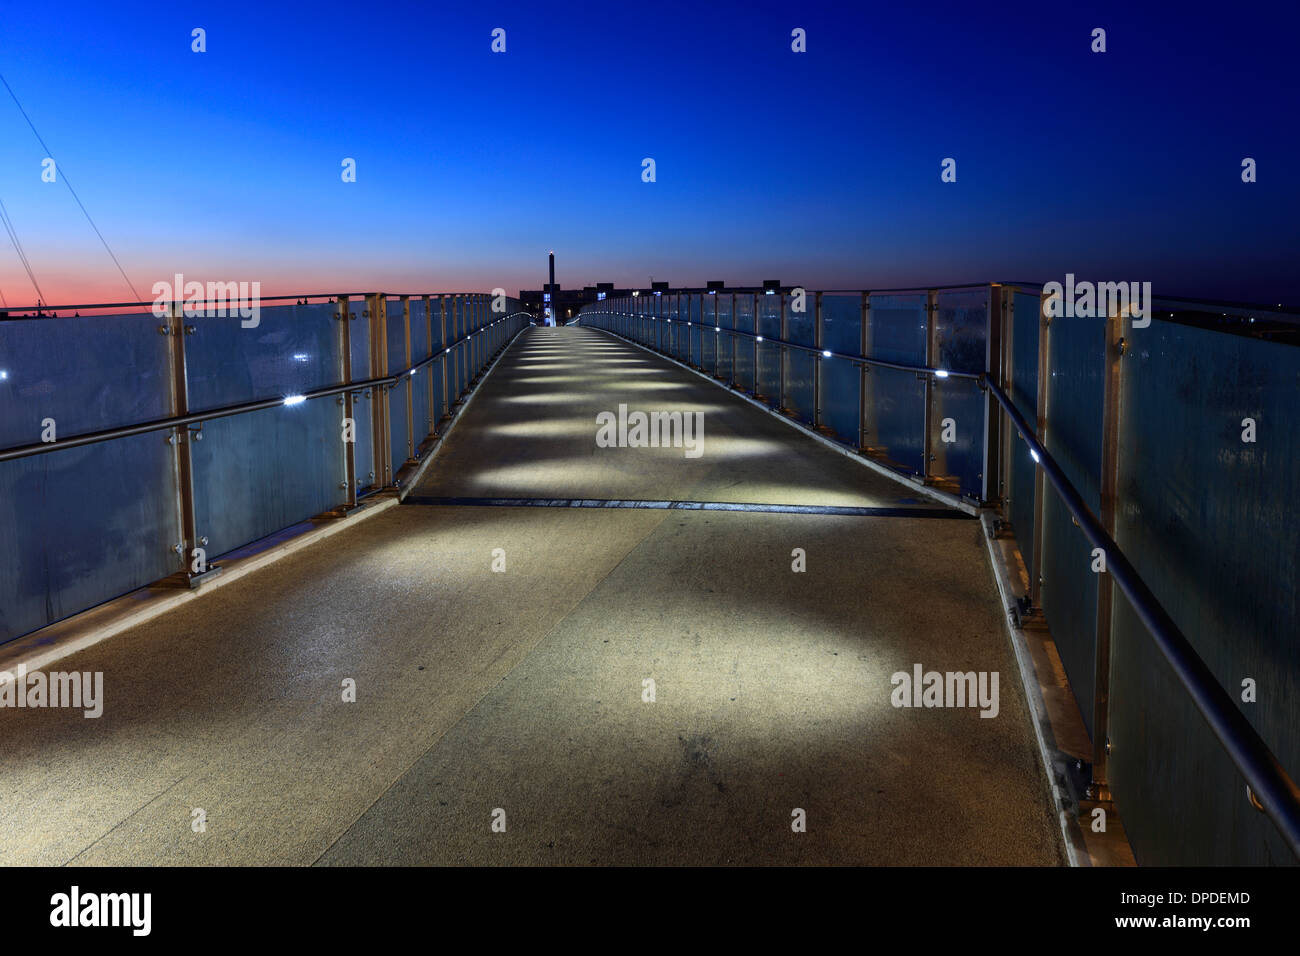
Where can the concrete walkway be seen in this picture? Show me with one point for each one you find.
(523, 691)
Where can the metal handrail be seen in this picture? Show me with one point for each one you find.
(1277, 793)
(225, 411)
(960, 286)
(824, 353)
(44, 310)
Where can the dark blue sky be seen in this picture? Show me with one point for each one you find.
(819, 168)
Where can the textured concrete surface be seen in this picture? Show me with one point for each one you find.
(532, 433)
(233, 704)
(523, 690)
(772, 692)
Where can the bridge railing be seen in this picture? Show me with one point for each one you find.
(135, 448)
(1174, 432)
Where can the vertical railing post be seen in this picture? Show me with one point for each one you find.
(453, 365)
(1099, 787)
(817, 360)
(785, 337)
(864, 370)
(408, 388)
(1005, 431)
(466, 347)
(442, 355)
(995, 367)
(428, 345)
(1044, 371)
(347, 400)
(673, 313)
(463, 351)
(480, 357)
(377, 315)
(735, 327)
(192, 571)
(931, 353)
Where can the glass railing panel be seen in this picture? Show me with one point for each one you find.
(744, 363)
(897, 328)
(1209, 520)
(419, 330)
(292, 350)
(73, 370)
(79, 375)
(801, 319)
(842, 324)
(840, 382)
(894, 431)
(1076, 387)
(257, 473)
(399, 420)
(743, 309)
(769, 316)
(799, 396)
(769, 373)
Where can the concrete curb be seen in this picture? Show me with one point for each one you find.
(1059, 730)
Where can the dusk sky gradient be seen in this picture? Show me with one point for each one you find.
(820, 169)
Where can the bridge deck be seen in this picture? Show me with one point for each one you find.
(523, 690)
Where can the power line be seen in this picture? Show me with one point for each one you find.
(18, 247)
(68, 183)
